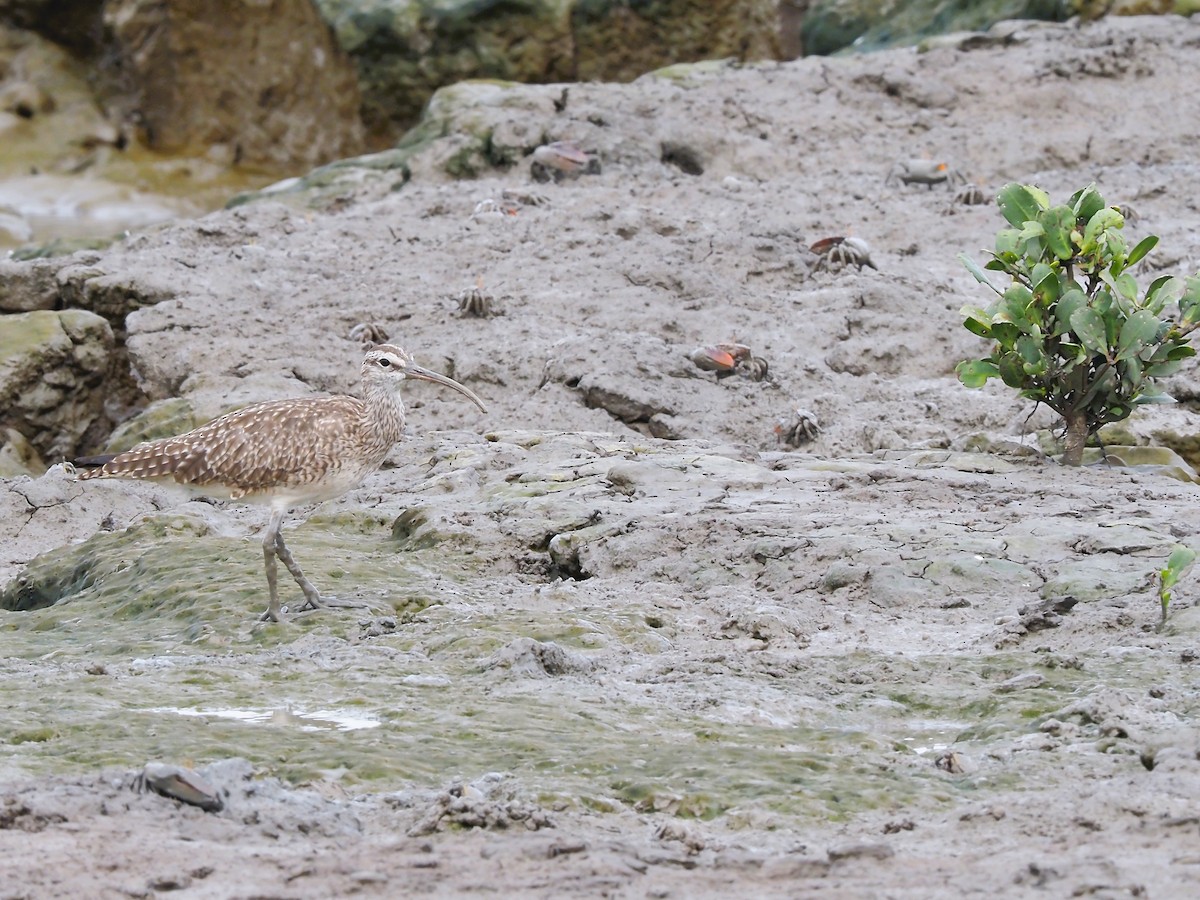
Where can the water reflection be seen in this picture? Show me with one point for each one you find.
(315, 720)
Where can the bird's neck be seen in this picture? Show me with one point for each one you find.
(384, 413)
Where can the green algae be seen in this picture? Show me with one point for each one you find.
(152, 649)
(869, 750)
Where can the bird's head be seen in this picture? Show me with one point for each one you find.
(389, 364)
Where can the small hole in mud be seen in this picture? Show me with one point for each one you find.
(682, 157)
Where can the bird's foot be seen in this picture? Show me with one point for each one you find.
(319, 602)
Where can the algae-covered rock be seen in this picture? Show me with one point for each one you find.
(618, 41)
(17, 456)
(164, 418)
(832, 25)
(138, 566)
(1151, 460)
(406, 49)
(52, 368)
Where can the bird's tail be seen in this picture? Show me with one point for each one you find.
(93, 462)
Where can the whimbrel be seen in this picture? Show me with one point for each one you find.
(284, 453)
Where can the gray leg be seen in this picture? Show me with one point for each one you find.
(311, 595)
(273, 613)
(274, 547)
(313, 598)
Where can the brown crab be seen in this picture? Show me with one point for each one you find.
(180, 784)
(562, 159)
(729, 359)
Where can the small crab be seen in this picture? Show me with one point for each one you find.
(924, 171)
(369, 334)
(951, 761)
(755, 368)
(970, 195)
(476, 302)
(490, 209)
(562, 159)
(524, 198)
(729, 359)
(839, 252)
(800, 428)
(719, 358)
(180, 784)
(967, 195)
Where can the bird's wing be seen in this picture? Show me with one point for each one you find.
(281, 443)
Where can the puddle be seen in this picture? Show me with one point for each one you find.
(933, 736)
(316, 720)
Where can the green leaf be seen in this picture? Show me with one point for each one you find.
(1073, 299)
(1144, 246)
(1032, 354)
(1057, 224)
(1178, 563)
(1006, 241)
(1005, 333)
(1139, 330)
(1031, 229)
(1160, 399)
(1088, 326)
(1087, 202)
(976, 321)
(973, 268)
(1184, 351)
(1012, 370)
(1020, 203)
(1162, 370)
(1160, 292)
(1126, 285)
(1072, 354)
(974, 373)
(1130, 371)
(1015, 307)
(1189, 302)
(1044, 280)
(1104, 220)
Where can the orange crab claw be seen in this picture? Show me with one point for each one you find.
(825, 243)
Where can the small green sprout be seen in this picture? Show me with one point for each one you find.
(1178, 563)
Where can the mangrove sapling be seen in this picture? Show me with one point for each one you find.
(1073, 330)
(1178, 564)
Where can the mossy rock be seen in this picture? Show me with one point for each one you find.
(864, 25)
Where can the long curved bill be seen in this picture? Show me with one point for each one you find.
(415, 371)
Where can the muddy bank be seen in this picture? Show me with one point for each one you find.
(620, 637)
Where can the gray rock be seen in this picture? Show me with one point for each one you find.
(25, 287)
(52, 370)
(275, 89)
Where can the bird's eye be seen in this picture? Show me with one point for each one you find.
(386, 363)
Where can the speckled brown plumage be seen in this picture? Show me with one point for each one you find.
(284, 453)
(242, 455)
